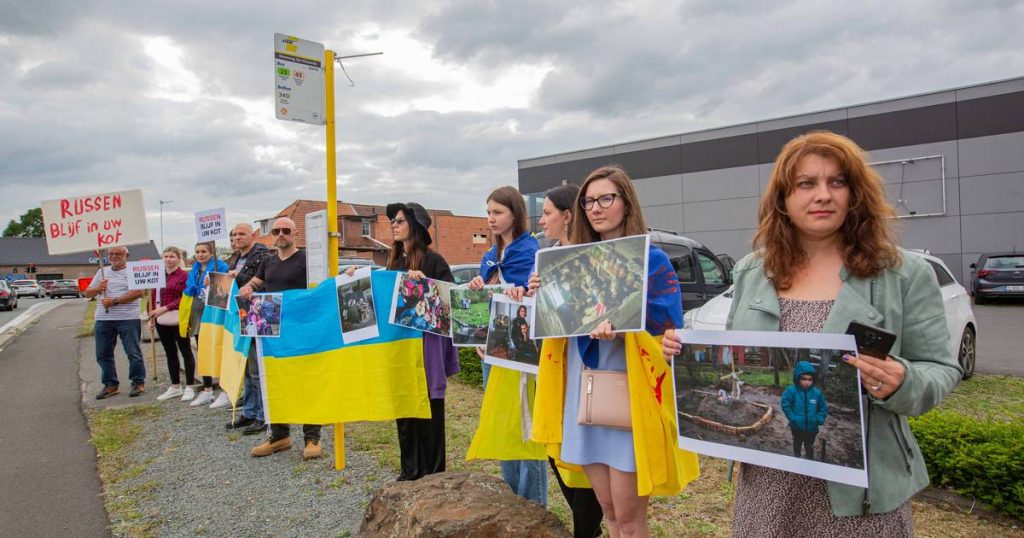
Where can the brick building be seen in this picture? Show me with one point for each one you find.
(366, 233)
(17, 253)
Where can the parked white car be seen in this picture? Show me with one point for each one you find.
(963, 328)
(28, 287)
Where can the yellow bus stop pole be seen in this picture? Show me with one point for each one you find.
(332, 216)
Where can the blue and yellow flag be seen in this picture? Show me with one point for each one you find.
(310, 376)
(222, 348)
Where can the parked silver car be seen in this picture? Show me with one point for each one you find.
(28, 287)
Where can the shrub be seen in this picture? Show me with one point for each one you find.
(981, 459)
(469, 365)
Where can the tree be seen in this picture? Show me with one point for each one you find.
(30, 224)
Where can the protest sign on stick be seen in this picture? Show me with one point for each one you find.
(95, 221)
(211, 225)
(146, 275)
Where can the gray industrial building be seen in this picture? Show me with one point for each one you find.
(953, 162)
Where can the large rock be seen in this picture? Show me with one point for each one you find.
(454, 505)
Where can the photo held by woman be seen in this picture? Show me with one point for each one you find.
(624, 463)
(163, 317)
(206, 262)
(503, 430)
(826, 255)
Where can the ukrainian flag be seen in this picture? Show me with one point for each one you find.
(310, 376)
(222, 348)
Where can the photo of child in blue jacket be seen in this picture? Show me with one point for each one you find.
(805, 407)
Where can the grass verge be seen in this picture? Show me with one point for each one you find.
(113, 433)
(704, 508)
(89, 321)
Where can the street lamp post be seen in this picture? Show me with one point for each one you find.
(162, 202)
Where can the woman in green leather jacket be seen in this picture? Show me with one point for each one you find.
(825, 255)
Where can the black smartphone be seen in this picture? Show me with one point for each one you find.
(871, 340)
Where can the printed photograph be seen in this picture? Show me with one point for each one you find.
(508, 335)
(422, 305)
(790, 403)
(260, 316)
(470, 313)
(583, 285)
(219, 290)
(355, 307)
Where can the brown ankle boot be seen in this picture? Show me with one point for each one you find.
(312, 450)
(269, 447)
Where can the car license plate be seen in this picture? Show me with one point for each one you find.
(1014, 288)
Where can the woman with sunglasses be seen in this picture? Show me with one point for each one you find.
(421, 441)
(608, 456)
(508, 261)
(198, 279)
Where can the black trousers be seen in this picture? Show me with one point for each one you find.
(586, 511)
(310, 432)
(805, 440)
(421, 443)
(172, 342)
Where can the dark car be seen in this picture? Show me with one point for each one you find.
(8, 297)
(997, 275)
(702, 275)
(64, 288)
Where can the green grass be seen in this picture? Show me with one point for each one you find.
(988, 397)
(88, 321)
(113, 432)
(476, 314)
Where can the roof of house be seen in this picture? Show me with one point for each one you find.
(26, 250)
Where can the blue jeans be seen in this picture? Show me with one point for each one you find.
(130, 332)
(528, 479)
(252, 399)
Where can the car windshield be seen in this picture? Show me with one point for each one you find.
(1005, 262)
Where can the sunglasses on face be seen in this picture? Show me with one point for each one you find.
(281, 231)
(605, 201)
(397, 221)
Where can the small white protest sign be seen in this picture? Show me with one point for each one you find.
(146, 275)
(211, 225)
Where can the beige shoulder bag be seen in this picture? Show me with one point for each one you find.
(604, 399)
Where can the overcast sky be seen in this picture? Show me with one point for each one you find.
(177, 97)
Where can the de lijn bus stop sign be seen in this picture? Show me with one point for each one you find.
(299, 80)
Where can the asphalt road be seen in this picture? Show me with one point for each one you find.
(48, 480)
(999, 338)
(24, 304)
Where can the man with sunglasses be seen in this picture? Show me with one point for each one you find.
(243, 265)
(285, 271)
(117, 316)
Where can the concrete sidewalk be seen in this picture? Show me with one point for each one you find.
(49, 482)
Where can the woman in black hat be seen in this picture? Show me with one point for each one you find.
(420, 440)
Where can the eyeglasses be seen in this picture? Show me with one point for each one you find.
(605, 201)
(396, 222)
(281, 231)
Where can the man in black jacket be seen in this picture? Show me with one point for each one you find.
(243, 264)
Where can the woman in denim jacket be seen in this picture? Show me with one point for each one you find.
(826, 255)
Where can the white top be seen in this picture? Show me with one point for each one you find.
(117, 285)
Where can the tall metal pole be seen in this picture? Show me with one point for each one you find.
(162, 202)
(332, 216)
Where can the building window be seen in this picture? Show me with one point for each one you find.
(367, 227)
(265, 227)
(479, 239)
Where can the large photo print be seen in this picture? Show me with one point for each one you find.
(355, 306)
(470, 311)
(781, 400)
(422, 304)
(583, 285)
(508, 335)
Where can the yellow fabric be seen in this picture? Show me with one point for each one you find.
(212, 341)
(184, 311)
(366, 382)
(232, 366)
(662, 467)
(499, 436)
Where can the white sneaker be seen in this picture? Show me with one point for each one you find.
(172, 392)
(221, 401)
(204, 398)
(188, 393)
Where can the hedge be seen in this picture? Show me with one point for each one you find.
(469, 366)
(980, 459)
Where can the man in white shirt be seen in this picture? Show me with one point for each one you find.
(117, 316)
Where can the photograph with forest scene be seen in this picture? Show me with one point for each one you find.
(782, 400)
(355, 306)
(470, 310)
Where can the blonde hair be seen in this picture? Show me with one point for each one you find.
(177, 252)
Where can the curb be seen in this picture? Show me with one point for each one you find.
(16, 326)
